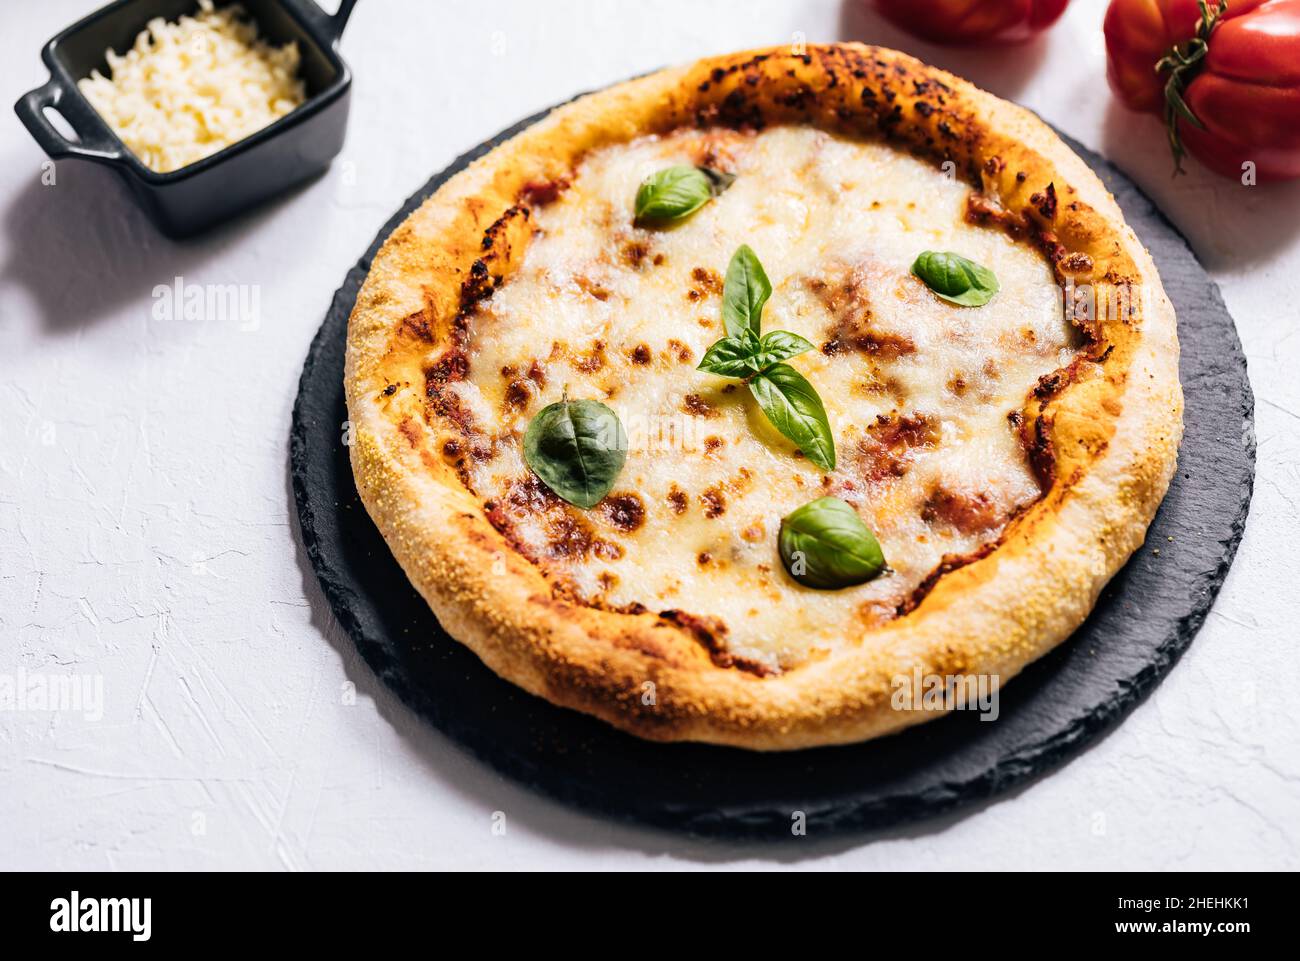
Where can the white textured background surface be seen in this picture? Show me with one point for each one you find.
(147, 533)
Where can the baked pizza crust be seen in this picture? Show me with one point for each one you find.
(1103, 434)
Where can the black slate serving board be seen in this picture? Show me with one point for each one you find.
(1144, 620)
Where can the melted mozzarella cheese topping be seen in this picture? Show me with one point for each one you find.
(918, 391)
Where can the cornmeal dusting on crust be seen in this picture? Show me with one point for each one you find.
(919, 391)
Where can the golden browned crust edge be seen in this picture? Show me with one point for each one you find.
(1112, 431)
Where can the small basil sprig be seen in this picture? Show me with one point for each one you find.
(747, 353)
(825, 545)
(956, 279)
(783, 394)
(577, 448)
(677, 192)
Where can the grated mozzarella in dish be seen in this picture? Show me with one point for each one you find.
(188, 89)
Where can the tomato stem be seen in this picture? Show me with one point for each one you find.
(1183, 63)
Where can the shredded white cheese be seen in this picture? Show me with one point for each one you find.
(188, 89)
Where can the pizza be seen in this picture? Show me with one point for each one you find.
(714, 403)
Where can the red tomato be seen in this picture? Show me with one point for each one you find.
(1227, 81)
(973, 21)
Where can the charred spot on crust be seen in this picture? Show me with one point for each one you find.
(739, 109)
(712, 444)
(451, 366)
(496, 248)
(1036, 441)
(1049, 385)
(494, 234)
(1077, 263)
(859, 92)
(719, 74)
(417, 325)
(640, 354)
(800, 99)
(1053, 383)
(624, 511)
(1045, 202)
(477, 285)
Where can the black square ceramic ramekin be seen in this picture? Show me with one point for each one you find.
(185, 201)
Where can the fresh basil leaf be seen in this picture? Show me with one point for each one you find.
(779, 345)
(744, 292)
(577, 448)
(956, 279)
(825, 545)
(677, 192)
(732, 356)
(793, 407)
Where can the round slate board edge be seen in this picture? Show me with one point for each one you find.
(832, 814)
